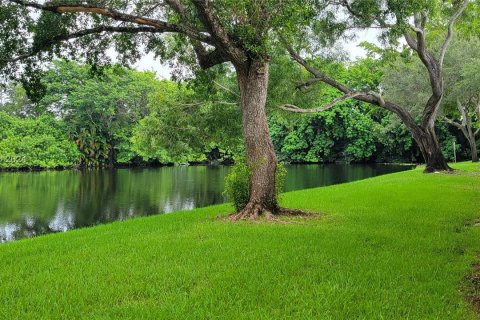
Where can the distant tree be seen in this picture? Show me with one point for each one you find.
(395, 19)
(14, 101)
(469, 113)
(99, 110)
(183, 126)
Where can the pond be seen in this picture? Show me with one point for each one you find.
(34, 203)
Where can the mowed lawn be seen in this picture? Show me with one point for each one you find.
(398, 246)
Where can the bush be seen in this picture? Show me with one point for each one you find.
(237, 183)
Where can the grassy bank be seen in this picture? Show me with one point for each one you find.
(391, 247)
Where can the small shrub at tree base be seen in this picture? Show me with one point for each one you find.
(236, 184)
(237, 187)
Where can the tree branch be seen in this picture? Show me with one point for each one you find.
(205, 58)
(381, 22)
(226, 89)
(410, 41)
(453, 123)
(368, 97)
(449, 37)
(420, 45)
(433, 66)
(221, 38)
(317, 75)
(209, 59)
(477, 109)
(463, 113)
(118, 16)
(65, 37)
(293, 108)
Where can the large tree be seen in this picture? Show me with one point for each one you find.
(404, 82)
(412, 21)
(99, 111)
(234, 31)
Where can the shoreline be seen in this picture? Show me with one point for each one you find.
(193, 164)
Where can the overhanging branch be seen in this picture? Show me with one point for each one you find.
(118, 16)
(65, 37)
(368, 97)
(206, 58)
(316, 74)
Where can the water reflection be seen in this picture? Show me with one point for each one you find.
(36, 203)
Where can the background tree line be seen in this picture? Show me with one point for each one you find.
(124, 117)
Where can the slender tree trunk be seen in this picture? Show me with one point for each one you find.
(466, 126)
(470, 135)
(473, 148)
(253, 82)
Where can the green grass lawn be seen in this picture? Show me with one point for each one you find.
(391, 247)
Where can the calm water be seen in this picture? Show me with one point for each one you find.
(36, 203)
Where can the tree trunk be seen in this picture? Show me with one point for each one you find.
(473, 148)
(253, 83)
(427, 140)
(466, 127)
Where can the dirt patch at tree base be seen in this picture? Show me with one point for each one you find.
(256, 213)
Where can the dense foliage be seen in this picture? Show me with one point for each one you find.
(35, 143)
(183, 125)
(125, 117)
(99, 110)
(343, 134)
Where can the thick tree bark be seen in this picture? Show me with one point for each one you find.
(253, 82)
(425, 137)
(430, 148)
(427, 141)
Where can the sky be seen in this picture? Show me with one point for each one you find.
(149, 63)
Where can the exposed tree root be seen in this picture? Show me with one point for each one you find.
(255, 211)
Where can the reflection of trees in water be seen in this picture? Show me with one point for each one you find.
(310, 176)
(59, 201)
(171, 189)
(104, 196)
(36, 194)
(25, 227)
(38, 203)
